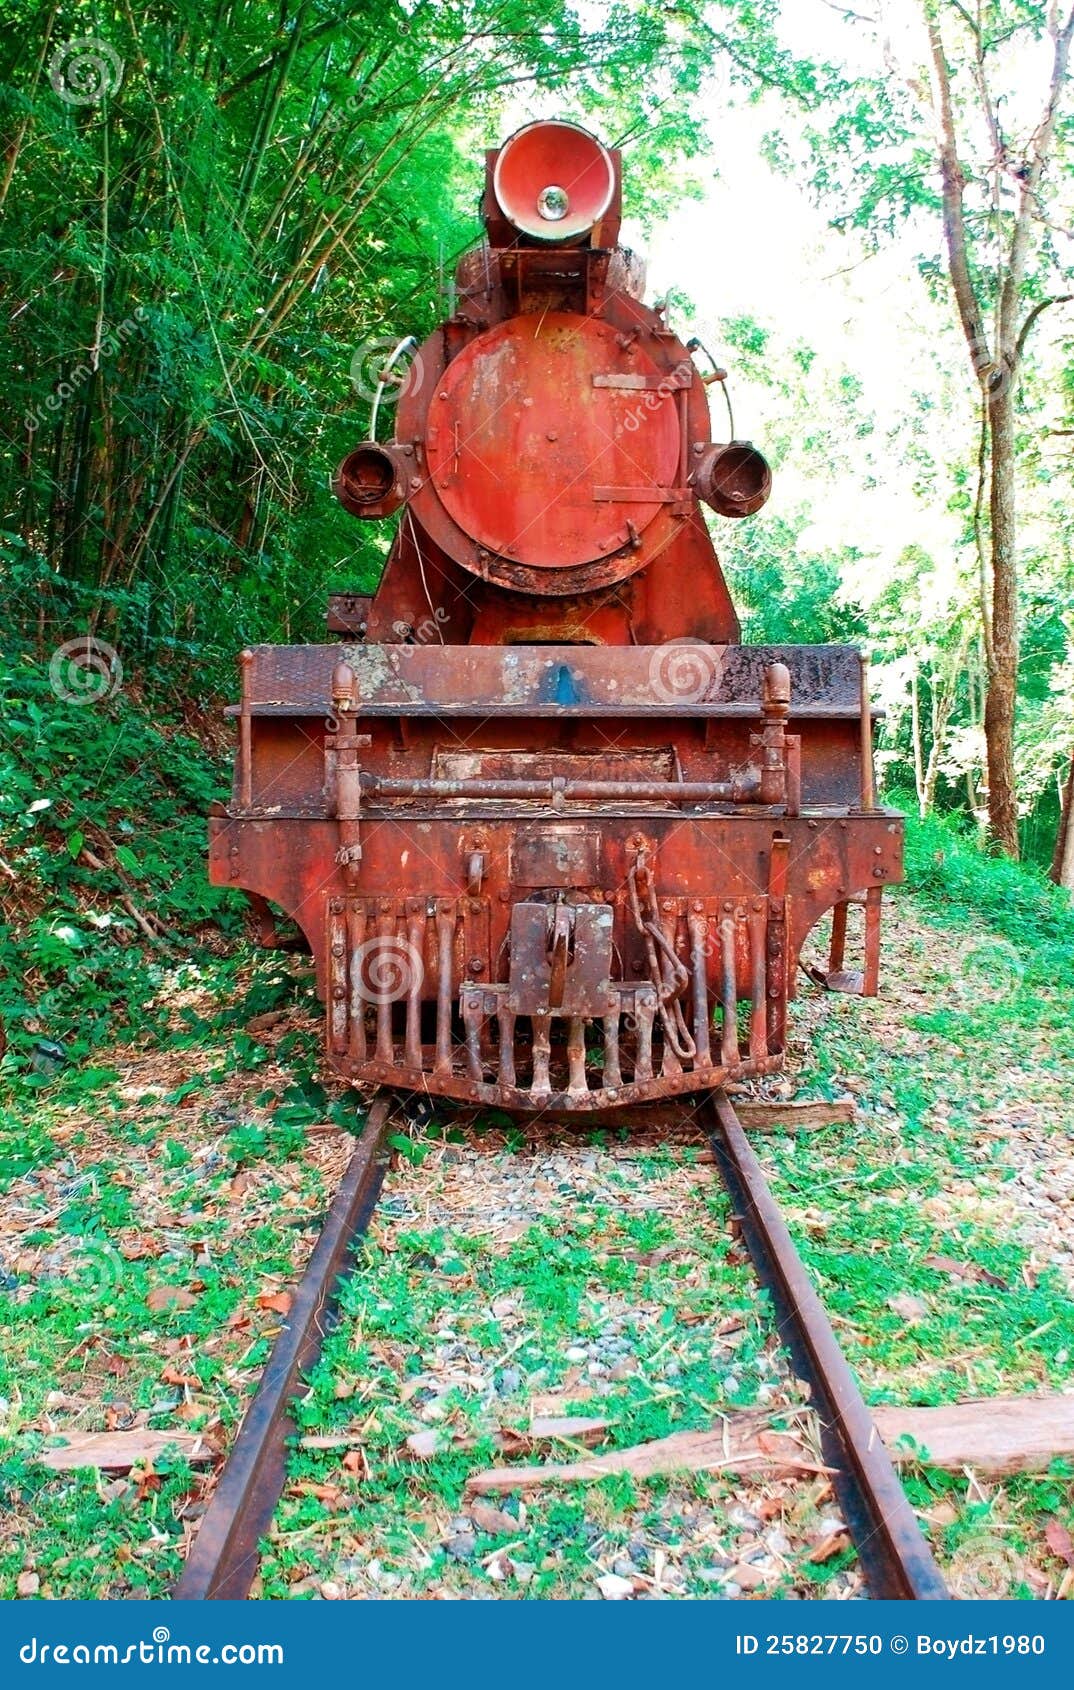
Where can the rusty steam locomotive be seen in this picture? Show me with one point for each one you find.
(554, 835)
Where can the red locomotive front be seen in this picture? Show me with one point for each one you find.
(554, 835)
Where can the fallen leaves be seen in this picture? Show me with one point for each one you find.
(278, 1301)
(543, 1429)
(140, 1247)
(833, 1543)
(970, 1272)
(173, 1375)
(170, 1297)
(1059, 1541)
(332, 1496)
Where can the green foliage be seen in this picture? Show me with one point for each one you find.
(869, 154)
(947, 865)
(785, 594)
(102, 820)
(259, 206)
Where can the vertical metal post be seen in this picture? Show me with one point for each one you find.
(246, 763)
(777, 945)
(837, 948)
(699, 933)
(728, 993)
(868, 779)
(870, 983)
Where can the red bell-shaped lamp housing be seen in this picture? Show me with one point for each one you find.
(554, 181)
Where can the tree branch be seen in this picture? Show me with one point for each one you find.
(1041, 305)
(954, 185)
(1029, 182)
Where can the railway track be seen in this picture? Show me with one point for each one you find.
(895, 1559)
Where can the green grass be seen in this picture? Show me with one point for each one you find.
(583, 1268)
(133, 1172)
(193, 1132)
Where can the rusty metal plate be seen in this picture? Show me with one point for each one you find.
(555, 856)
(682, 679)
(519, 437)
(348, 613)
(546, 982)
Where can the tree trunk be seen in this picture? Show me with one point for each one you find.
(915, 734)
(974, 721)
(1003, 668)
(943, 688)
(1062, 869)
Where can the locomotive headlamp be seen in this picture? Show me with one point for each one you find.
(552, 203)
(554, 181)
(734, 479)
(369, 481)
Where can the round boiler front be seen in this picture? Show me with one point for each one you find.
(551, 445)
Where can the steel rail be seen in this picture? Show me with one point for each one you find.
(222, 1563)
(895, 1559)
